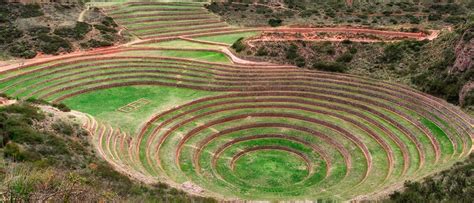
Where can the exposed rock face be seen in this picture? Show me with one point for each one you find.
(468, 87)
(464, 53)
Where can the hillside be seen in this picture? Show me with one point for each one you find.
(52, 29)
(46, 155)
(394, 14)
(415, 63)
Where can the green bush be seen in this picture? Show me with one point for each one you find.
(275, 22)
(238, 45)
(292, 52)
(13, 151)
(35, 31)
(300, 61)
(434, 17)
(453, 185)
(105, 29)
(92, 43)
(37, 101)
(455, 19)
(213, 7)
(61, 107)
(353, 50)
(109, 22)
(469, 99)
(394, 52)
(329, 66)
(77, 32)
(261, 52)
(9, 34)
(4, 18)
(63, 128)
(260, 9)
(30, 10)
(51, 44)
(108, 37)
(22, 50)
(308, 13)
(345, 58)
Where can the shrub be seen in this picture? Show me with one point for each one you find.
(63, 128)
(77, 32)
(455, 19)
(329, 66)
(51, 44)
(308, 13)
(22, 49)
(263, 9)
(13, 151)
(261, 52)
(300, 61)
(27, 111)
(330, 13)
(21, 133)
(387, 13)
(346, 41)
(353, 50)
(9, 34)
(213, 7)
(92, 43)
(108, 37)
(413, 19)
(30, 10)
(35, 31)
(37, 101)
(238, 45)
(105, 29)
(62, 107)
(393, 52)
(109, 22)
(275, 22)
(434, 17)
(345, 58)
(469, 99)
(292, 52)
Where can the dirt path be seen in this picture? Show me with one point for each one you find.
(81, 15)
(14, 64)
(416, 35)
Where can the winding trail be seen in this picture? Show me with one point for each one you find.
(81, 15)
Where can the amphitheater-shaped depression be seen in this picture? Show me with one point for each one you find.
(195, 120)
(258, 131)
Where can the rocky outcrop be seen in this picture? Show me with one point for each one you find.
(466, 89)
(464, 52)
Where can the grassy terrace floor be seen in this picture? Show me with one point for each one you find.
(183, 113)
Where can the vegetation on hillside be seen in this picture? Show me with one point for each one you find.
(46, 157)
(440, 67)
(453, 185)
(28, 29)
(323, 12)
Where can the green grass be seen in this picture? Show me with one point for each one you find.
(103, 104)
(446, 145)
(209, 56)
(181, 44)
(227, 38)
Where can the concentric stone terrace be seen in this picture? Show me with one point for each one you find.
(258, 132)
(238, 129)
